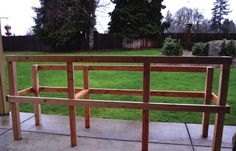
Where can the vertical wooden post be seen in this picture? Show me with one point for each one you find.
(72, 108)
(4, 106)
(219, 119)
(35, 85)
(86, 86)
(14, 106)
(146, 95)
(208, 96)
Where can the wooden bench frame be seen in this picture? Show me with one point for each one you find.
(75, 94)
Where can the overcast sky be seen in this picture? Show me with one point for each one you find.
(20, 14)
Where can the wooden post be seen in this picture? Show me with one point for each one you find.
(208, 97)
(72, 108)
(86, 86)
(14, 106)
(35, 85)
(146, 95)
(219, 118)
(4, 106)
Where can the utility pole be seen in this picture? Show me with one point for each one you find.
(4, 107)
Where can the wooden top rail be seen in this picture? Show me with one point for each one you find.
(128, 68)
(123, 59)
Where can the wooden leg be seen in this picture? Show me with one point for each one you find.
(205, 124)
(37, 114)
(208, 96)
(145, 130)
(72, 115)
(87, 114)
(146, 96)
(218, 131)
(35, 84)
(16, 121)
(86, 86)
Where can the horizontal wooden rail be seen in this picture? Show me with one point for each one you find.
(123, 59)
(128, 68)
(191, 94)
(25, 92)
(121, 104)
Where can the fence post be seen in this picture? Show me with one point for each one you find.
(35, 85)
(72, 108)
(219, 118)
(146, 95)
(86, 86)
(208, 97)
(14, 106)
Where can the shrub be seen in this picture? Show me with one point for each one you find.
(228, 49)
(201, 49)
(172, 47)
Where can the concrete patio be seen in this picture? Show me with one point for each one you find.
(106, 135)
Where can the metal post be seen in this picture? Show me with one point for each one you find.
(4, 109)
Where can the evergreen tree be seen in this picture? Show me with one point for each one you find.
(64, 24)
(219, 11)
(134, 19)
(228, 26)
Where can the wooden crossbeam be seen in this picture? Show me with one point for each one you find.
(191, 94)
(25, 92)
(123, 59)
(128, 68)
(121, 104)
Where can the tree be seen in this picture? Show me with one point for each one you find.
(182, 17)
(64, 24)
(228, 26)
(219, 11)
(170, 20)
(133, 19)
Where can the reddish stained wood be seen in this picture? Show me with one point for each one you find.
(72, 108)
(123, 59)
(191, 94)
(219, 118)
(129, 68)
(25, 92)
(14, 105)
(53, 89)
(208, 97)
(146, 95)
(122, 104)
(35, 85)
(86, 86)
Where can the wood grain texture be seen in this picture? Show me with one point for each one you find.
(35, 86)
(207, 101)
(123, 59)
(72, 108)
(219, 118)
(15, 113)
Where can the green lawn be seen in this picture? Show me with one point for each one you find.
(127, 80)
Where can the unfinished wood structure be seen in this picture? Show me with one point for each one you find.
(4, 109)
(148, 65)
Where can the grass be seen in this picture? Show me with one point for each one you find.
(127, 80)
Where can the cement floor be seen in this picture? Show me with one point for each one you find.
(106, 135)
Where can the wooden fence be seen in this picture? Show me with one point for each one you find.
(111, 41)
(75, 94)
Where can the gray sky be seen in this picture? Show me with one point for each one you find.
(20, 12)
